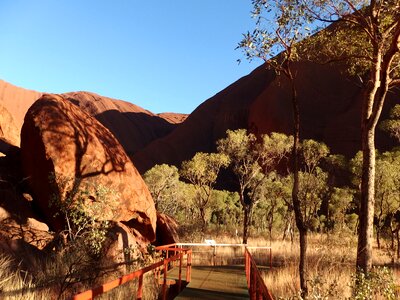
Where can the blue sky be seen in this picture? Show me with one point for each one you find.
(160, 55)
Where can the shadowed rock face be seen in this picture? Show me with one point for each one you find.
(330, 108)
(61, 141)
(167, 230)
(133, 126)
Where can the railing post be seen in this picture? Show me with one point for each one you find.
(189, 266)
(180, 271)
(164, 287)
(139, 294)
(270, 258)
(253, 283)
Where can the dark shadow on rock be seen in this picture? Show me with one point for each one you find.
(135, 130)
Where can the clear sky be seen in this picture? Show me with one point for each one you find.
(161, 55)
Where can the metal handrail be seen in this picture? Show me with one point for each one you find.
(90, 294)
(215, 245)
(255, 282)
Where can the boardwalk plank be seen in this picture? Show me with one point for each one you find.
(218, 282)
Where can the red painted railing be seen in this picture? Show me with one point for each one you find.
(255, 283)
(159, 267)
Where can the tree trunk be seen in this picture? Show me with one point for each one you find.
(303, 263)
(203, 219)
(398, 243)
(378, 241)
(366, 214)
(295, 191)
(246, 222)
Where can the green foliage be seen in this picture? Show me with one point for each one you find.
(251, 160)
(273, 198)
(225, 209)
(202, 171)
(387, 180)
(312, 189)
(360, 27)
(312, 152)
(250, 157)
(378, 282)
(86, 208)
(340, 202)
(312, 181)
(392, 125)
(279, 26)
(163, 182)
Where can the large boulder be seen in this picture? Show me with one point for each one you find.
(63, 150)
(133, 126)
(18, 218)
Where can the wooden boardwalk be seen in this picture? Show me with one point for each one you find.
(215, 282)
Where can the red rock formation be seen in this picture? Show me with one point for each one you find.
(58, 139)
(18, 219)
(173, 118)
(166, 230)
(329, 106)
(9, 133)
(17, 100)
(133, 126)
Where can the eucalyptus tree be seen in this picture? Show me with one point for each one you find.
(365, 38)
(202, 171)
(279, 26)
(251, 160)
(272, 198)
(162, 182)
(387, 192)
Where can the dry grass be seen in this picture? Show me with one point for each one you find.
(16, 284)
(330, 260)
(60, 276)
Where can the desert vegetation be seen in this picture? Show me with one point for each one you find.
(330, 199)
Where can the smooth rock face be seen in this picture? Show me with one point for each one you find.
(330, 110)
(133, 126)
(64, 148)
(9, 133)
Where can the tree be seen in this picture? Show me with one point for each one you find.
(340, 202)
(365, 38)
(86, 210)
(274, 40)
(387, 194)
(163, 181)
(271, 197)
(251, 160)
(226, 209)
(202, 171)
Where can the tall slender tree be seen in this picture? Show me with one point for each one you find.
(365, 39)
(278, 29)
